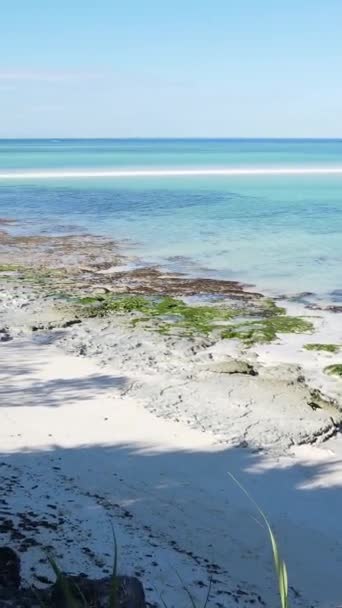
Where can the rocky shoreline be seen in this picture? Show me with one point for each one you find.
(188, 343)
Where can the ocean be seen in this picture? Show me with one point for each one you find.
(264, 212)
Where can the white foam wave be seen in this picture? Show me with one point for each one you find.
(122, 173)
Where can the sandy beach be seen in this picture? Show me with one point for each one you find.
(170, 304)
(78, 455)
(105, 421)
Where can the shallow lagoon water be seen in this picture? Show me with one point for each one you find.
(282, 233)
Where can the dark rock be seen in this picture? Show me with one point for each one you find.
(5, 335)
(336, 295)
(7, 220)
(130, 592)
(330, 308)
(71, 322)
(233, 366)
(86, 592)
(333, 308)
(9, 568)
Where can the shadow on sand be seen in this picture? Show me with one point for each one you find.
(177, 507)
(186, 502)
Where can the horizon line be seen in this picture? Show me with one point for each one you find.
(170, 138)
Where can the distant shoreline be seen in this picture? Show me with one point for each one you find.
(212, 138)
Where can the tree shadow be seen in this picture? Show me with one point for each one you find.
(54, 393)
(17, 379)
(181, 510)
(172, 508)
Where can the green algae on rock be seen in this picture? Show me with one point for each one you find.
(171, 314)
(9, 267)
(327, 348)
(267, 330)
(102, 305)
(167, 311)
(334, 370)
(270, 308)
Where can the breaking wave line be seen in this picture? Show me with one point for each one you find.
(122, 173)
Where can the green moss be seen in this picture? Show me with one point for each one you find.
(168, 312)
(334, 370)
(266, 330)
(203, 319)
(39, 276)
(173, 315)
(328, 348)
(89, 300)
(271, 308)
(9, 267)
(103, 305)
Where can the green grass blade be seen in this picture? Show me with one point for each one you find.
(113, 596)
(280, 566)
(163, 601)
(187, 591)
(280, 569)
(81, 594)
(71, 602)
(208, 593)
(38, 598)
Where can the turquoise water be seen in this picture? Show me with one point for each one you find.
(281, 232)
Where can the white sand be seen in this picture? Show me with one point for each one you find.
(71, 439)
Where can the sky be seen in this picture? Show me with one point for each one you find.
(162, 68)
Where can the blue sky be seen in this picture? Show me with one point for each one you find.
(223, 68)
